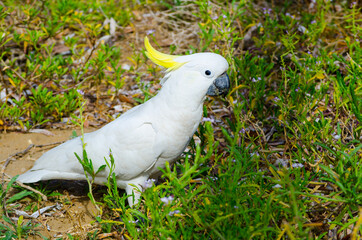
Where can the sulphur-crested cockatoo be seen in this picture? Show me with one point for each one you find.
(146, 137)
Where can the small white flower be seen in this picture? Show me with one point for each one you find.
(267, 11)
(281, 161)
(126, 66)
(133, 221)
(213, 178)
(207, 119)
(277, 186)
(80, 92)
(148, 32)
(297, 165)
(167, 200)
(256, 80)
(148, 183)
(302, 29)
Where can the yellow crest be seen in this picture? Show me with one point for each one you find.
(162, 59)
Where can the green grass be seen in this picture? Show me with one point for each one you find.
(282, 160)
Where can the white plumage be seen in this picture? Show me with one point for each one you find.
(147, 136)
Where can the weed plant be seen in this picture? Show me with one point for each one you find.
(279, 159)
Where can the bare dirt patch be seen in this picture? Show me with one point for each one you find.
(73, 212)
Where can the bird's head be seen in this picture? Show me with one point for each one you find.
(204, 71)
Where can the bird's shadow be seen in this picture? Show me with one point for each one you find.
(77, 188)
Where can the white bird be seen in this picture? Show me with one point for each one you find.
(144, 138)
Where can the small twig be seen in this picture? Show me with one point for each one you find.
(32, 74)
(16, 73)
(35, 214)
(49, 144)
(352, 60)
(21, 153)
(27, 187)
(26, 151)
(270, 134)
(7, 161)
(78, 84)
(16, 154)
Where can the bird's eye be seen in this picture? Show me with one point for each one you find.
(207, 72)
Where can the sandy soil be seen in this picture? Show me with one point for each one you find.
(75, 211)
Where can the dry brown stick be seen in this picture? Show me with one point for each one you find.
(27, 187)
(25, 151)
(7, 161)
(15, 154)
(49, 144)
(16, 73)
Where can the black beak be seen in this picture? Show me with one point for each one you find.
(220, 86)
